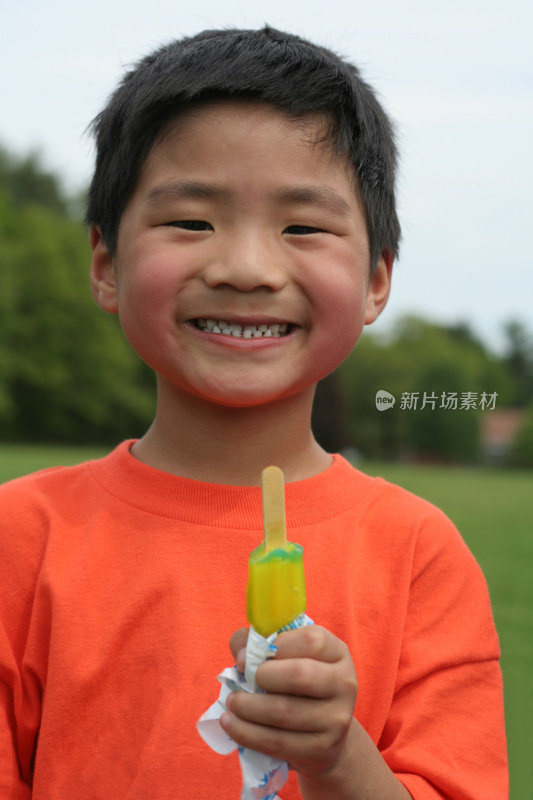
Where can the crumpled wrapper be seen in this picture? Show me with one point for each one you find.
(262, 776)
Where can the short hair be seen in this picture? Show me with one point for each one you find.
(280, 69)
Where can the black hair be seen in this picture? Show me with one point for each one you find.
(268, 65)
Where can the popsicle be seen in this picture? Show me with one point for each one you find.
(276, 582)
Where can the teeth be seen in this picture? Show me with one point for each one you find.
(276, 329)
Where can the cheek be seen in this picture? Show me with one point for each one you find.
(146, 302)
(340, 310)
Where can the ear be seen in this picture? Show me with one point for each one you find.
(379, 285)
(103, 273)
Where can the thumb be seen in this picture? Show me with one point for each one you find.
(237, 645)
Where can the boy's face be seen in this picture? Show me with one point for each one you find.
(239, 219)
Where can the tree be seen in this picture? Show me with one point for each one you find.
(330, 422)
(421, 364)
(522, 449)
(519, 360)
(66, 372)
(26, 182)
(375, 365)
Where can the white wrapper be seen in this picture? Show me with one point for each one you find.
(262, 775)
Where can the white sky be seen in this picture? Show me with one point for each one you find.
(457, 78)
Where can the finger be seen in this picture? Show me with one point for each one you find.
(285, 745)
(237, 642)
(301, 714)
(305, 677)
(313, 641)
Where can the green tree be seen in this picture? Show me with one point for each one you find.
(7, 294)
(375, 365)
(522, 449)
(66, 372)
(330, 422)
(519, 361)
(27, 182)
(421, 364)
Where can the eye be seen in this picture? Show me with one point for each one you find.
(302, 230)
(191, 225)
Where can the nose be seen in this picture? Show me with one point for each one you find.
(247, 262)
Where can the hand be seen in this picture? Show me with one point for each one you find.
(307, 712)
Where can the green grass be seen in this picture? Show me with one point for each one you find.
(493, 510)
(16, 460)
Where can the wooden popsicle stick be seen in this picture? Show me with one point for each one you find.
(273, 492)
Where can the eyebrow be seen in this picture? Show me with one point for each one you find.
(322, 196)
(314, 195)
(182, 190)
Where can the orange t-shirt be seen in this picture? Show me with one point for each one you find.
(120, 588)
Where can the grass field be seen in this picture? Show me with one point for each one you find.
(493, 509)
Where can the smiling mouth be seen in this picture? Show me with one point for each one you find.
(266, 331)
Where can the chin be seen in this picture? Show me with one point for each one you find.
(248, 398)
(247, 401)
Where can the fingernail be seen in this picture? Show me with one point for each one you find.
(225, 720)
(241, 659)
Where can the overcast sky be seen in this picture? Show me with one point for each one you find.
(457, 78)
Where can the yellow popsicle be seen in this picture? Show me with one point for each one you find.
(276, 583)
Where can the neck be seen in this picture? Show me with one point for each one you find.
(198, 440)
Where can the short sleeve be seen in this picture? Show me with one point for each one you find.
(446, 721)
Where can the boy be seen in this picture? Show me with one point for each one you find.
(243, 227)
